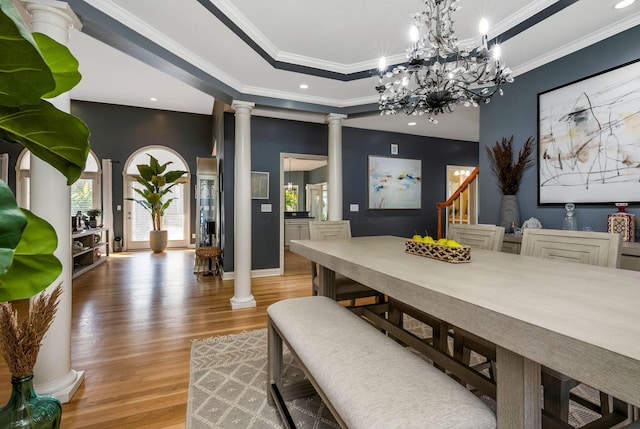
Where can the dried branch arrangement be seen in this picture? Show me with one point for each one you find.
(509, 174)
(21, 340)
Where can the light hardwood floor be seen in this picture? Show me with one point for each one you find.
(134, 318)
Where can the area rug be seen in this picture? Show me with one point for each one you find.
(228, 382)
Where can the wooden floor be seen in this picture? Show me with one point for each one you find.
(134, 318)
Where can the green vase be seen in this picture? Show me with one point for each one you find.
(28, 410)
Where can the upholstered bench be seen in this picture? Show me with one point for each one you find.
(365, 378)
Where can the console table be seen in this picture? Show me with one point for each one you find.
(92, 250)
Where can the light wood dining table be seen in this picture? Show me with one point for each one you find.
(581, 320)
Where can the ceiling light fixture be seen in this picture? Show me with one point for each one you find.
(439, 75)
(153, 99)
(290, 184)
(624, 3)
(304, 86)
(412, 124)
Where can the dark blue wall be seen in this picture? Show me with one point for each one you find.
(435, 154)
(118, 131)
(271, 137)
(515, 114)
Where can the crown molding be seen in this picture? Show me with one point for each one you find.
(604, 33)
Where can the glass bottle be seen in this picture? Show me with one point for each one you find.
(570, 222)
(25, 409)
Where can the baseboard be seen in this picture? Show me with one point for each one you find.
(268, 272)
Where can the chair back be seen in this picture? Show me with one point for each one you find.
(584, 247)
(480, 236)
(329, 230)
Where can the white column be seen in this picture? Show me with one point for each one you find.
(334, 169)
(242, 297)
(51, 200)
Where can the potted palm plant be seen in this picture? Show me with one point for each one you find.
(34, 67)
(509, 174)
(156, 183)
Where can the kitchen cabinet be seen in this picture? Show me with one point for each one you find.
(296, 229)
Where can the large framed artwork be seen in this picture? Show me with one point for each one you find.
(589, 139)
(394, 183)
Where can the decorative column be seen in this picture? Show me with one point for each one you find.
(334, 169)
(242, 297)
(51, 200)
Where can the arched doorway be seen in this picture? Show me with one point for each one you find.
(137, 221)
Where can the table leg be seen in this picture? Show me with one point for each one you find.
(327, 282)
(518, 391)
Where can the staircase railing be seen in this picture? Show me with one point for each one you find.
(456, 211)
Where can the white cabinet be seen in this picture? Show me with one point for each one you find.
(296, 229)
(89, 248)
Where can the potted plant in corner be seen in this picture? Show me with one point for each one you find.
(93, 214)
(34, 67)
(157, 184)
(509, 174)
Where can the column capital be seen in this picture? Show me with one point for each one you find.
(237, 104)
(66, 18)
(335, 117)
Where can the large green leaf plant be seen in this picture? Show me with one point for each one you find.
(157, 184)
(34, 67)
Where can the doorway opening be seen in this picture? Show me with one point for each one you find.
(137, 221)
(303, 197)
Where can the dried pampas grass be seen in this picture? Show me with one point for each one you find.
(21, 340)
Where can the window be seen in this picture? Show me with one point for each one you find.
(85, 192)
(4, 167)
(291, 198)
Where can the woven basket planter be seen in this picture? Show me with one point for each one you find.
(454, 255)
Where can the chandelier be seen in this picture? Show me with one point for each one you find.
(439, 75)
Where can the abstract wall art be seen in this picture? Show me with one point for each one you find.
(394, 183)
(589, 139)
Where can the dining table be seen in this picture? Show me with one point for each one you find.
(580, 320)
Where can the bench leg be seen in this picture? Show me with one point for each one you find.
(274, 360)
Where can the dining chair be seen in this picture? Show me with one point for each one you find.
(346, 289)
(480, 236)
(593, 248)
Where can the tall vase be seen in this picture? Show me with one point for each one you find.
(509, 212)
(28, 410)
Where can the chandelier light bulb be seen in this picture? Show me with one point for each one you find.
(624, 3)
(405, 81)
(414, 34)
(483, 27)
(382, 64)
(497, 52)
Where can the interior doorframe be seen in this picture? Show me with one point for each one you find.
(284, 155)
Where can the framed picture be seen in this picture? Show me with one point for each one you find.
(589, 139)
(394, 183)
(259, 185)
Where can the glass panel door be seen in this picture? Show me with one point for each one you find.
(206, 211)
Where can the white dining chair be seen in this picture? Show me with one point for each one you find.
(479, 236)
(346, 289)
(583, 247)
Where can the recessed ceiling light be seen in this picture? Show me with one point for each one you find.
(304, 86)
(153, 99)
(624, 3)
(411, 124)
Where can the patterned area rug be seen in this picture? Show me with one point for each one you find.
(228, 381)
